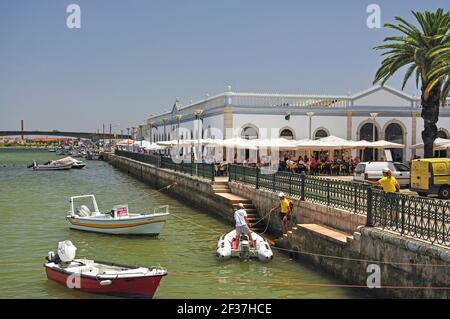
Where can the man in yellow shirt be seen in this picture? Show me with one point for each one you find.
(389, 183)
(390, 186)
(285, 209)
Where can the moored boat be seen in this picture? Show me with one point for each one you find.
(75, 163)
(118, 221)
(227, 247)
(101, 277)
(51, 166)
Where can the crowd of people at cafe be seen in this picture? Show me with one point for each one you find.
(319, 165)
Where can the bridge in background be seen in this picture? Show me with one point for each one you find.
(92, 136)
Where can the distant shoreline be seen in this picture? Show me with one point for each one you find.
(23, 148)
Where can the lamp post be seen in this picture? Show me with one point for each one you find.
(151, 133)
(178, 117)
(111, 126)
(165, 135)
(198, 116)
(133, 131)
(141, 133)
(373, 116)
(128, 134)
(310, 115)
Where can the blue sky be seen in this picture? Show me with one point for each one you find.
(132, 58)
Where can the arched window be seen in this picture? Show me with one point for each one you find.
(320, 133)
(287, 134)
(394, 133)
(366, 133)
(249, 133)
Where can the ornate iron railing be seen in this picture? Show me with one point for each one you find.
(422, 218)
(195, 169)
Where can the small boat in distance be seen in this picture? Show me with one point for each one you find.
(118, 221)
(93, 156)
(101, 277)
(227, 247)
(50, 166)
(51, 149)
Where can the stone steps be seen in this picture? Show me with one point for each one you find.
(221, 188)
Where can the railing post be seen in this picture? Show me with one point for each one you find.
(369, 219)
(257, 178)
(274, 175)
(328, 193)
(290, 183)
(403, 198)
(213, 171)
(302, 189)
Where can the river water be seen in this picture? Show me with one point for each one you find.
(33, 206)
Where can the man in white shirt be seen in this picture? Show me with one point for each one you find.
(242, 225)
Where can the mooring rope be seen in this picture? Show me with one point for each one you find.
(322, 255)
(293, 282)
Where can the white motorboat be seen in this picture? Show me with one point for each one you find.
(51, 166)
(227, 247)
(75, 163)
(118, 221)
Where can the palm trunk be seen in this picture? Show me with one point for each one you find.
(430, 115)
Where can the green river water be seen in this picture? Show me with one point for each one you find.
(33, 206)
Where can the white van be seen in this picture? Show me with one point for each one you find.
(373, 171)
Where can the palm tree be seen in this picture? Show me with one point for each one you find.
(421, 49)
(441, 68)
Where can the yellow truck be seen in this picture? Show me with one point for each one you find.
(431, 176)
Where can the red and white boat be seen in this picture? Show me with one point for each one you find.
(101, 277)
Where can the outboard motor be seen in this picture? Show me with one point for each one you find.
(52, 257)
(244, 247)
(34, 164)
(66, 251)
(84, 210)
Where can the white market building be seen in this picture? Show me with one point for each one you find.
(260, 115)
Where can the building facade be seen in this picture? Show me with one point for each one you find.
(395, 115)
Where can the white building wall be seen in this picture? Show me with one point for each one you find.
(382, 97)
(216, 123)
(299, 124)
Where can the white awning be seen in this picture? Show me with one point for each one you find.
(439, 143)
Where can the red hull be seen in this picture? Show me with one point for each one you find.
(139, 287)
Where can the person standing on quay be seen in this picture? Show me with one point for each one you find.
(390, 186)
(285, 209)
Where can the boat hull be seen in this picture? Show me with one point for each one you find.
(227, 248)
(142, 226)
(140, 287)
(50, 168)
(78, 166)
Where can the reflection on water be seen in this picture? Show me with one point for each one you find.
(33, 206)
